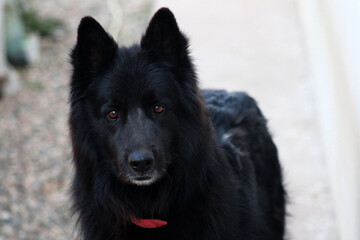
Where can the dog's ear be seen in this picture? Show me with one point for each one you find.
(163, 38)
(94, 47)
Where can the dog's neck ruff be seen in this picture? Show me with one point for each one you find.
(148, 223)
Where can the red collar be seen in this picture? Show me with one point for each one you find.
(148, 223)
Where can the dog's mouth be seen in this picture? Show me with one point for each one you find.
(144, 180)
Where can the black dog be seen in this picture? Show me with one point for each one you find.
(155, 157)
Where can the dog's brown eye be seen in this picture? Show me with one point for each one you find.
(113, 114)
(158, 109)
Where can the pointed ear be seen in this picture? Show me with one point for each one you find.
(163, 38)
(94, 46)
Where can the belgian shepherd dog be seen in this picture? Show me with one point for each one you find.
(157, 158)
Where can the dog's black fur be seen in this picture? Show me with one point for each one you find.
(215, 172)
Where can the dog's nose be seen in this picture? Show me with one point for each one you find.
(141, 160)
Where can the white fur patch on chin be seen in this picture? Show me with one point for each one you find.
(143, 182)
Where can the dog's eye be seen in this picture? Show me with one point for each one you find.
(113, 114)
(158, 109)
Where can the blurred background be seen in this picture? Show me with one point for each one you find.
(299, 58)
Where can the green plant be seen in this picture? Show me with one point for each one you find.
(43, 26)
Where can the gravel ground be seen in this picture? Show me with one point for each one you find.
(35, 159)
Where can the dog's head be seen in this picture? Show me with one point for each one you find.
(127, 103)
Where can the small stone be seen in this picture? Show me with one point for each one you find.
(7, 230)
(5, 215)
